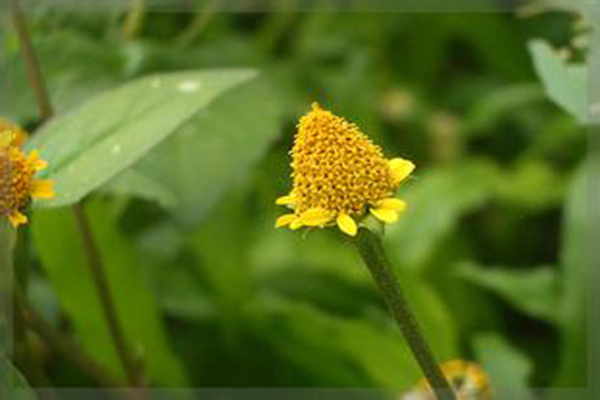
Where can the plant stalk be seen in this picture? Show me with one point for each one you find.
(133, 369)
(371, 250)
(31, 63)
(100, 279)
(67, 349)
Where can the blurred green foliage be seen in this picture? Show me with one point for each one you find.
(491, 250)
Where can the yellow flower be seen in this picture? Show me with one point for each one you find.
(339, 176)
(467, 378)
(17, 171)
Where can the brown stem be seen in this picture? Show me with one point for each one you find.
(106, 299)
(133, 370)
(67, 349)
(31, 63)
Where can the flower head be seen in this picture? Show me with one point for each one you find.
(17, 170)
(339, 176)
(468, 380)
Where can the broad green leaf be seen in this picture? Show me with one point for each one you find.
(341, 351)
(532, 291)
(13, 385)
(92, 144)
(576, 251)
(215, 150)
(331, 276)
(136, 184)
(566, 84)
(508, 369)
(436, 201)
(71, 279)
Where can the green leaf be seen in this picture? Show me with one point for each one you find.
(499, 104)
(509, 370)
(12, 384)
(362, 350)
(71, 279)
(216, 150)
(92, 144)
(576, 267)
(566, 84)
(436, 202)
(533, 291)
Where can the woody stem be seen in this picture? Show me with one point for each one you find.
(371, 250)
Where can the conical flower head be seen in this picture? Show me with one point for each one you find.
(338, 174)
(17, 170)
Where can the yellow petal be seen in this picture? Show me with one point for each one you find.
(316, 217)
(347, 224)
(392, 204)
(36, 161)
(401, 168)
(384, 215)
(296, 224)
(288, 200)
(42, 189)
(285, 220)
(16, 219)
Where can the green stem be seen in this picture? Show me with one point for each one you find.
(62, 346)
(134, 19)
(106, 299)
(371, 250)
(133, 369)
(31, 63)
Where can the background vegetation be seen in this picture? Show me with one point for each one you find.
(185, 167)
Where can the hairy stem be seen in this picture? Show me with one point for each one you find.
(371, 250)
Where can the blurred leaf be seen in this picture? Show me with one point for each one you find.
(97, 141)
(215, 150)
(575, 252)
(533, 291)
(221, 245)
(136, 184)
(532, 184)
(436, 201)
(508, 369)
(305, 335)
(566, 84)
(498, 104)
(13, 385)
(71, 279)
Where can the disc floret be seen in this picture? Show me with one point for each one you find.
(18, 185)
(339, 176)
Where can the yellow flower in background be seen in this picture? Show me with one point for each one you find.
(467, 378)
(339, 176)
(17, 170)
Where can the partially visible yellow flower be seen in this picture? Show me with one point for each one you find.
(17, 170)
(339, 176)
(468, 380)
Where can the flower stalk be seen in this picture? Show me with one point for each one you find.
(133, 369)
(371, 250)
